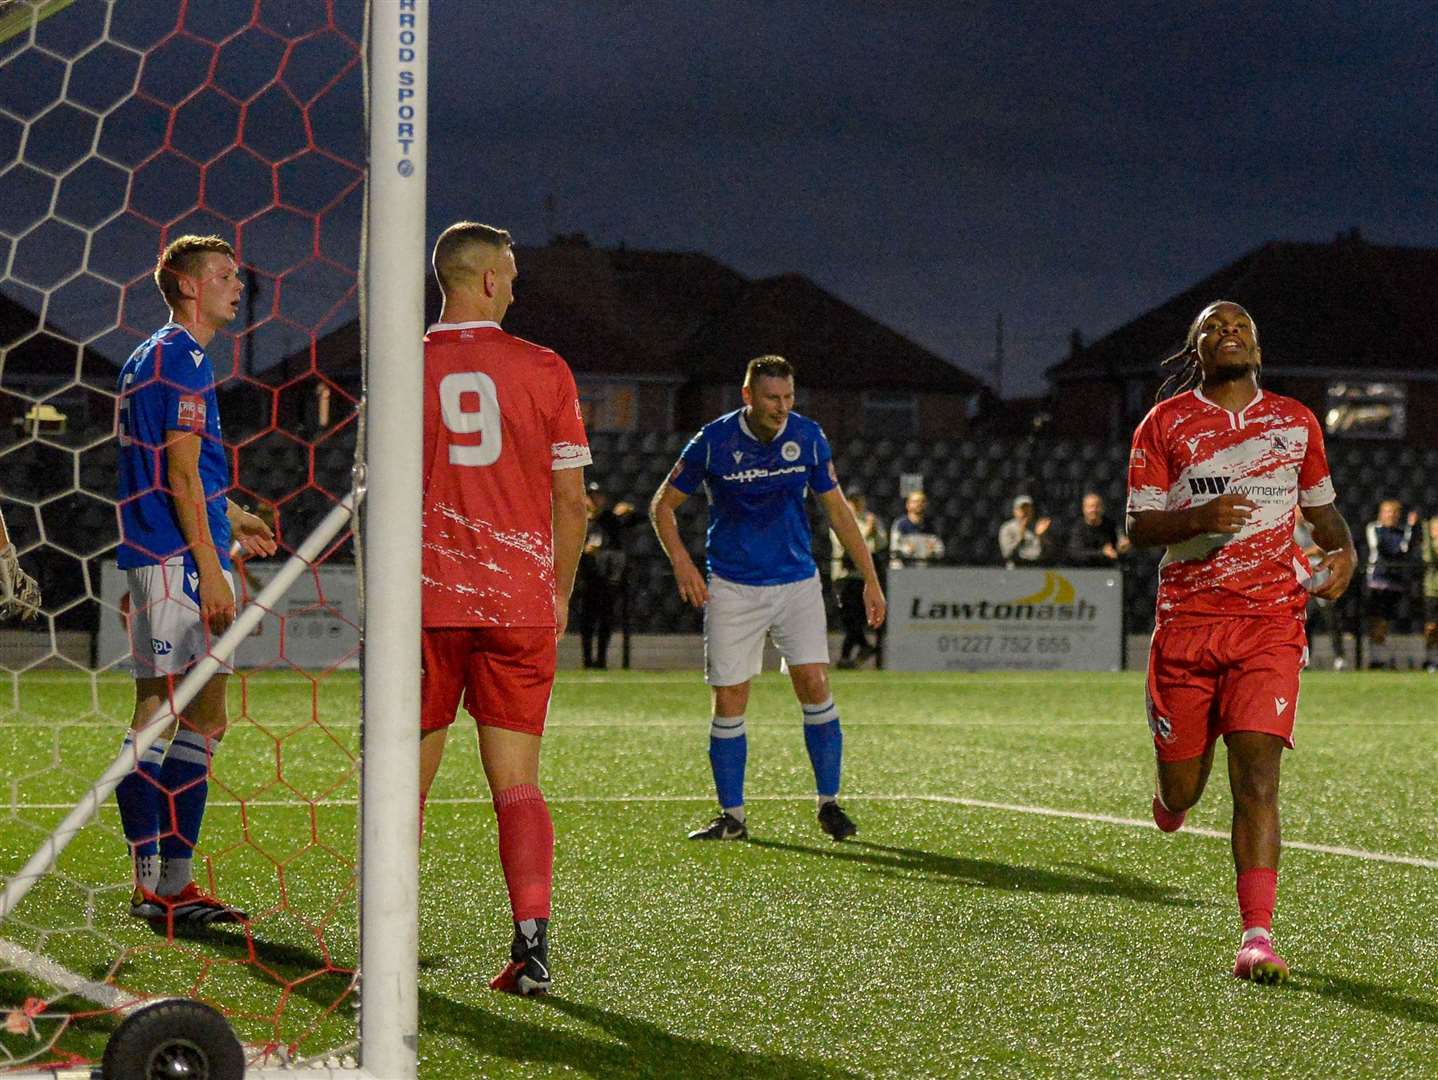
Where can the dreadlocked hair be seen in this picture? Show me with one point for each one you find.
(1186, 374)
(1188, 370)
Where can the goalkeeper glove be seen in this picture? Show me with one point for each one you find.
(19, 594)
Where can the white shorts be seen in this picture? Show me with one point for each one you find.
(738, 616)
(166, 634)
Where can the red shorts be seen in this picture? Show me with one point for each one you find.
(1208, 677)
(505, 674)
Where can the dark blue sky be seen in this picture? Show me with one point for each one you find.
(935, 164)
(1066, 164)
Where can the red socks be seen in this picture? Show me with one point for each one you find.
(1257, 889)
(526, 849)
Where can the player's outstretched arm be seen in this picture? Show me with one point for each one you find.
(187, 492)
(846, 528)
(692, 587)
(1331, 533)
(1226, 514)
(571, 521)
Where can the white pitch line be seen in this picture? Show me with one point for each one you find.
(1137, 823)
(949, 800)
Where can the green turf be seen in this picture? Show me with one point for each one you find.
(947, 940)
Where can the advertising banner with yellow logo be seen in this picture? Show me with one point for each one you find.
(957, 618)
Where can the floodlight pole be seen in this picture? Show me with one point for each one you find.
(393, 313)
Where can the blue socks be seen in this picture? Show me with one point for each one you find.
(140, 799)
(728, 752)
(825, 743)
(186, 777)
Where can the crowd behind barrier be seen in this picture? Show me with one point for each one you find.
(971, 488)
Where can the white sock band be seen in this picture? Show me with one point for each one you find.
(726, 727)
(821, 713)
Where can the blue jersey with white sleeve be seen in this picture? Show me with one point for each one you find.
(168, 384)
(758, 525)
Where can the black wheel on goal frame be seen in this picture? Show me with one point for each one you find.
(174, 1039)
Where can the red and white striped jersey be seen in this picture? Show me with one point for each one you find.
(1188, 451)
(500, 414)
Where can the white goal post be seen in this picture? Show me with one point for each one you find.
(392, 323)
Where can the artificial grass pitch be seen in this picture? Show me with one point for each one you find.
(950, 938)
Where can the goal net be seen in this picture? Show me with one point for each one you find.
(124, 125)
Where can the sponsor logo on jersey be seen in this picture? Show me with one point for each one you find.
(161, 647)
(748, 475)
(1137, 459)
(192, 412)
(1208, 485)
(789, 451)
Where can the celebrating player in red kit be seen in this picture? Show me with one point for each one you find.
(504, 521)
(1215, 475)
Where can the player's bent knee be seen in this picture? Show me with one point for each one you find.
(731, 700)
(811, 682)
(1181, 783)
(510, 758)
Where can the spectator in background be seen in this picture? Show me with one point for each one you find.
(1022, 540)
(1389, 545)
(1430, 595)
(1095, 541)
(601, 579)
(912, 541)
(849, 583)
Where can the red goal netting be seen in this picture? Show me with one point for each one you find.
(124, 124)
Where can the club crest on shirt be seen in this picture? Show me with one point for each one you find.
(1279, 442)
(789, 451)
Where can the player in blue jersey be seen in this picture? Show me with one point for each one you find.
(177, 526)
(757, 466)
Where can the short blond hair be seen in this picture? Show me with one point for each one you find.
(452, 267)
(182, 258)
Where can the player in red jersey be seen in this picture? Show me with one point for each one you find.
(504, 521)
(1215, 475)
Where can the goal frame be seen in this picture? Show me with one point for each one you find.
(388, 476)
